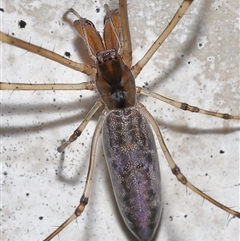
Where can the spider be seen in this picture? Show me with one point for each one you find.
(35, 154)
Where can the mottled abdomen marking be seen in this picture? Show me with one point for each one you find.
(132, 160)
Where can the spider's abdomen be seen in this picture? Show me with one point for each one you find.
(132, 160)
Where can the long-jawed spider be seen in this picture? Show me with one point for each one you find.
(198, 150)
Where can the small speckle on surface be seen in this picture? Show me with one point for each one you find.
(67, 54)
(22, 24)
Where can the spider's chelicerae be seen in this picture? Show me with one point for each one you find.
(197, 64)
